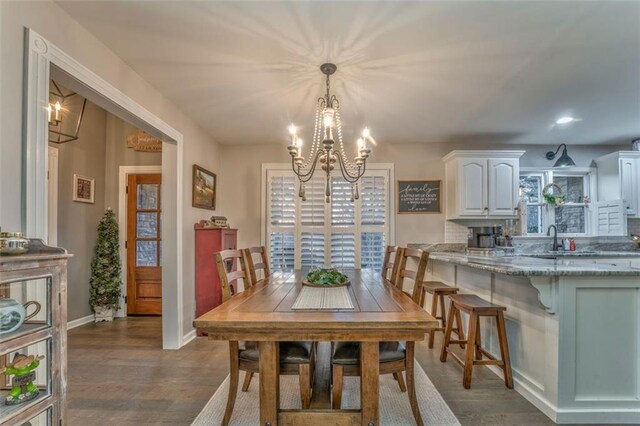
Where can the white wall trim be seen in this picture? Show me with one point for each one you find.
(80, 321)
(52, 199)
(188, 337)
(123, 172)
(40, 54)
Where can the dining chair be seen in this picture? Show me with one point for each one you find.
(296, 358)
(262, 265)
(391, 265)
(395, 357)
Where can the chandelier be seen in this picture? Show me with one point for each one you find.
(323, 147)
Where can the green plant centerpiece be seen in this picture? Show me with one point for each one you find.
(326, 277)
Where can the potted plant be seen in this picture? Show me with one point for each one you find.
(105, 280)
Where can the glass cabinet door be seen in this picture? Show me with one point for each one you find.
(27, 379)
(24, 307)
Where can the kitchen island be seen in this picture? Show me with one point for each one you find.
(573, 325)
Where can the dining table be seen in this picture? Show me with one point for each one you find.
(265, 313)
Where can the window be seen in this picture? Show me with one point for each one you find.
(572, 217)
(313, 233)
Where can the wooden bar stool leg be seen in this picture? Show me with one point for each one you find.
(459, 330)
(468, 362)
(447, 333)
(504, 350)
(434, 313)
(478, 342)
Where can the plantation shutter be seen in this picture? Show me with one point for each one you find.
(313, 233)
(282, 217)
(343, 250)
(312, 249)
(373, 196)
(312, 210)
(342, 208)
(282, 205)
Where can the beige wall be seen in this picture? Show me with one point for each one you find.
(241, 181)
(119, 155)
(78, 222)
(53, 23)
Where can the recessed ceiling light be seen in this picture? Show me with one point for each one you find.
(565, 120)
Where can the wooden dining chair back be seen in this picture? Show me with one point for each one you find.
(261, 265)
(231, 268)
(392, 255)
(414, 271)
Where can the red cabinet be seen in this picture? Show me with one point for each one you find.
(208, 242)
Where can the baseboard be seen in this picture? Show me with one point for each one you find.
(80, 321)
(188, 337)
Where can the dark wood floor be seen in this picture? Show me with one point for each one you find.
(119, 375)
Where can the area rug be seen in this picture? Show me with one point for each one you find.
(394, 405)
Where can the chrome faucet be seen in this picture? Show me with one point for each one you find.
(555, 246)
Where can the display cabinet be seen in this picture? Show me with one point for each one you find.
(33, 336)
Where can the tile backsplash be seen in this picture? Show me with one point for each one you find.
(634, 226)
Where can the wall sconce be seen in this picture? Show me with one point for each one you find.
(65, 112)
(564, 160)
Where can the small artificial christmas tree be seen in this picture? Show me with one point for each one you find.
(105, 280)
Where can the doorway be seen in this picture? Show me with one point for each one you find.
(42, 60)
(144, 244)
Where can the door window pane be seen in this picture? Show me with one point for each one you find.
(146, 253)
(148, 196)
(147, 225)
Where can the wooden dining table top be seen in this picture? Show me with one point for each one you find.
(264, 312)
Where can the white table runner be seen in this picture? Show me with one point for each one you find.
(333, 298)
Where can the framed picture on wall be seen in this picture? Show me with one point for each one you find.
(83, 189)
(204, 188)
(419, 196)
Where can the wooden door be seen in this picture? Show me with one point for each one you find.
(144, 245)
(504, 180)
(473, 187)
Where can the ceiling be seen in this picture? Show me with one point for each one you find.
(415, 72)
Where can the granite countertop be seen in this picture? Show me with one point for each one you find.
(532, 266)
(578, 253)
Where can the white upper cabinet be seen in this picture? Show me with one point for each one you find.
(473, 189)
(503, 193)
(482, 184)
(619, 178)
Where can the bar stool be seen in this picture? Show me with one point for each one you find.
(438, 291)
(476, 308)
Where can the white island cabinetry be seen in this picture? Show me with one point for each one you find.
(573, 328)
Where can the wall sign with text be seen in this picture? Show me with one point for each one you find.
(419, 196)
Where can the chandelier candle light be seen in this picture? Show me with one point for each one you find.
(323, 149)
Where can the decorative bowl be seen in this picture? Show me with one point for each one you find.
(326, 277)
(12, 243)
(309, 284)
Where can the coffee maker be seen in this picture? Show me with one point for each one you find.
(483, 237)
